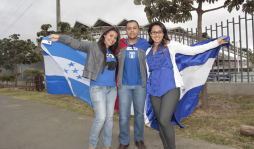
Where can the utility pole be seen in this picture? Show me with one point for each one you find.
(58, 14)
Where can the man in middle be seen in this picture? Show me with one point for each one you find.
(131, 83)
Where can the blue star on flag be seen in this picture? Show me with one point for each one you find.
(79, 77)
(71, 64)
(66, 70)
(75, 70)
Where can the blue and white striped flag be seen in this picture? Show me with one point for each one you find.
(194, 71)
(64, 68)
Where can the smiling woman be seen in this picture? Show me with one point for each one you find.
(164, 79)
(100, 68)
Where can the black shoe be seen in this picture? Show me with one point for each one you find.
(140, 144)
(123, 146)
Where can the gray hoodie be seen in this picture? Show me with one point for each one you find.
(94, 59)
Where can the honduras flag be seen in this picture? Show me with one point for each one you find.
(194, 71)
(64, 67)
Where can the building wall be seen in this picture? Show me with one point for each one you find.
(230, 88)
(21, 68)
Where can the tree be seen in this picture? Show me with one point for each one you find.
(251, 60)
(15, 52)
(64, 27)
(80, 33)
(44, 32)
(179, 11)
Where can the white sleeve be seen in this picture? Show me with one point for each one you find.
(188, 50)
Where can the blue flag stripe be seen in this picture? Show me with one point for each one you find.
(57, 85)
(81, 91)
(62, 50)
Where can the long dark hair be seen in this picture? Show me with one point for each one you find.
(165, 37)
(112, 48)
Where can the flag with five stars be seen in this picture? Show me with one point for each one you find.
(64, 67)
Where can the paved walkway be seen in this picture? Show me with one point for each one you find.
(30, 125)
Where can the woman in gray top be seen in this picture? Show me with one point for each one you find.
(100, 68)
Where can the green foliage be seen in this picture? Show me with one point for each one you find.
(64, 27)
(9, 78)
(44, 32)
(178, 11)
(15, 51)
(81, 33)
(251, 60)
(33, 73)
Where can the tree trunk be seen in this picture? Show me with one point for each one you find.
(58, 14)
(247, 130)
(200, 13)
(16, 74)
(203, 96)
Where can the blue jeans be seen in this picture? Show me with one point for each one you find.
(126, 94)
(103, 99)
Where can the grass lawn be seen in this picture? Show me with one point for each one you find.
(219, 124)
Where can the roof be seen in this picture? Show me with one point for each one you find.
(79, 24)
(146, 25)
(123, 22)
(101, 22)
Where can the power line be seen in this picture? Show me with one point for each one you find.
(5, 7)
(12, 13)
(19, 17)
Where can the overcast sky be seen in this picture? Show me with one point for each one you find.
(25, 17)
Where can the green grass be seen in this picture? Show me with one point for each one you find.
(223, 127)
(219, 124)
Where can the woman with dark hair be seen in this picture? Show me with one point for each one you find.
(164, 80)
(100, 68)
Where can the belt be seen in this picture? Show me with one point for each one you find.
(162, 68)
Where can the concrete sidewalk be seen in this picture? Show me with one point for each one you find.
(30, 125)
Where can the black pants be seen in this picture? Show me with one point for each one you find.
(164, 108)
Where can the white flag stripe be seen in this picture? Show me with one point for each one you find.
(192, 75)
(72, 71)
(51, 67)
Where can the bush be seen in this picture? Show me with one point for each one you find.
(9, 78)
(33, 73)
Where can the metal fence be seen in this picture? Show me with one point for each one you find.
(231, 65)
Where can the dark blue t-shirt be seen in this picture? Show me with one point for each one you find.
(108, 76)
(131, 69)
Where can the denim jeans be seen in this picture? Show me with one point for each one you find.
(126, 95)
(103, 99)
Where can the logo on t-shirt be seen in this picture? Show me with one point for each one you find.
(111, 63)
(132, 55)
(110, 55)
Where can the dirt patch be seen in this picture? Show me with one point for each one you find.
(217, 107)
